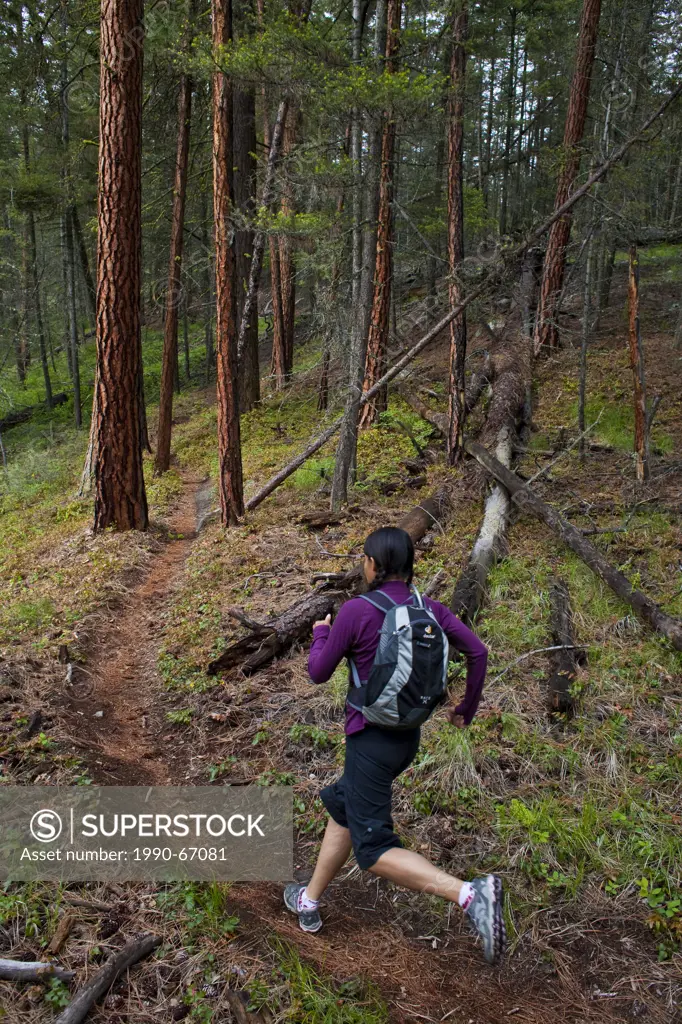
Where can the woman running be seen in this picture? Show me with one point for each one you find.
(359, 803)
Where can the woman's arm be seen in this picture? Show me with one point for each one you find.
(331, 644)
(475, 653)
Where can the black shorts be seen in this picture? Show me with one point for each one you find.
(361, 799)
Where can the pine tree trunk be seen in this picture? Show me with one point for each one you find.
(229, 441)
(458, 328)
(74, 359)
(364, 262)
(637, 366)
(287, 269)
(356, 165)
(245, 203)
(24, 347)
(676, 192)
(185, 336)
(209, 279)
(70, 230)
(42, 346)
(174, 287)
(489, 131)
(546, 330)
(84, 262)
(585, 335)
(516, 213)
(120, 498)
(278, 360)
(377, 341)
(511, 102)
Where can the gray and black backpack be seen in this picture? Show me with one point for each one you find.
(408, 679)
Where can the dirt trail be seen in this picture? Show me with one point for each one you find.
(125, 744)
(420, 980)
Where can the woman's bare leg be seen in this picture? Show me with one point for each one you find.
(404, 867)
(334, 853)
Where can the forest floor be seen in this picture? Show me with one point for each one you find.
(581, 817)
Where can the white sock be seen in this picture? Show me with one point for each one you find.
(305, 902)
(466, 895)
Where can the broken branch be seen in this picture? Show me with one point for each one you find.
(101, 982)
(32, 970)
(254, 651)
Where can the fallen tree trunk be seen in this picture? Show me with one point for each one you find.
(22, 970)
(481, 289)
(480, 380)
(524, 497)
(24, 414)
(490, 544)
(101, 982)
(565, 658)
(260, 646)
(511, 374)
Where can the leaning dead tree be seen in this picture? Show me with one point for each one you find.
(523, 496)
(267, 640)
(483, 287)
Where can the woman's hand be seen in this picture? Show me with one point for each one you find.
(455, 719)
(323, 622)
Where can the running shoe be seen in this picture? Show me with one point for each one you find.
(309, 920)
(485, 912)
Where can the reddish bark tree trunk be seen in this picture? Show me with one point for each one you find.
(173, 292)
(377, 342)
(120, 497)
(546, 328)
(245, 203)
(229, 441)
(279, 359)
(637, 365)
(458, 327)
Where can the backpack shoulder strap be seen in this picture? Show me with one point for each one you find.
(355, 675)
(378, 599)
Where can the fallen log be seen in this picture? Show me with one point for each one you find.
(523, 496)
(32, 970)
(482, 288)
(490, 544)
(101, 982)
(258, 648)
(566, 656)
(511, 372)
(480, 380)
(24, 414)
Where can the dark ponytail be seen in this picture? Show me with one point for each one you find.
(393, 553)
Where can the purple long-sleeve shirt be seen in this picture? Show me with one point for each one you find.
(355, 633)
